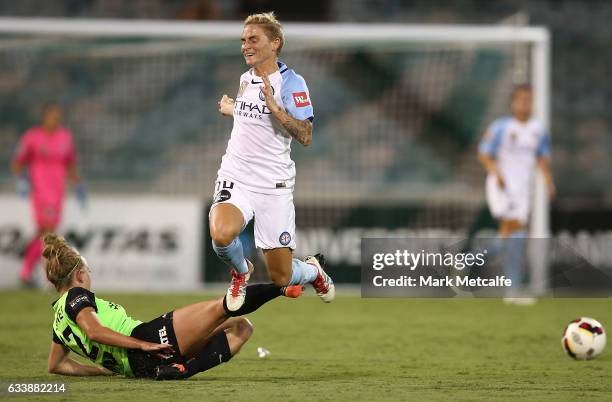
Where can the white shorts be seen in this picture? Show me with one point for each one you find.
(505, 203)
(274, 213)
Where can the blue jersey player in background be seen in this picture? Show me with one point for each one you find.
(511, 150)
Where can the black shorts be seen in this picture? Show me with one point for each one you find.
(159, 330)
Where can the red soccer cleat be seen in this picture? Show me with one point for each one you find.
(237, 291)
(323, 284)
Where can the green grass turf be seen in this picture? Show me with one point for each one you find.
(352, 349)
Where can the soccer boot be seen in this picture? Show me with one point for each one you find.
(323, 284)
(237, 290)
(172, 372)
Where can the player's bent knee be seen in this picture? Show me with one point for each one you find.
(244, 328)
(222, 236)
(238, 334)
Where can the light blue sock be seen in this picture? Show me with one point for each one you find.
(495, 247)
(302, 273)
(232, 255)
(514, 258)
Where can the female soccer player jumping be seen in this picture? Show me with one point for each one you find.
(48, 151)
(257, 175)
(176, 345)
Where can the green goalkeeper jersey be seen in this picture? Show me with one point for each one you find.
(66, 331)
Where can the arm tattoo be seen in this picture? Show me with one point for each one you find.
(301, 130)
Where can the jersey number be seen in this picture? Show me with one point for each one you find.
(108, 361)
(225, 185)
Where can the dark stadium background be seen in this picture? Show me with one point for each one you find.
(394, 151)
(581, 119)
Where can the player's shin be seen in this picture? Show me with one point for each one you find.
(215, 352)
(232, 255)
(514, 261)
(256, 296)
(31, 257)
(302, 273)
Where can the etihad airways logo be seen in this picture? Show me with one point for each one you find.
(250, 110)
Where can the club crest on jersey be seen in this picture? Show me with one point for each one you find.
(301, 99)
(284, 238)
(243, 86)
(261, 94)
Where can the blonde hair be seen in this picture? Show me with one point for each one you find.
(272, 28)
(61, 260)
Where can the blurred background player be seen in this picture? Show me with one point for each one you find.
(176, 345)
(257, 175)
(510, 151)
(47, 151)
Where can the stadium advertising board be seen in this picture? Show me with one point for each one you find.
(578, 258)
(131, 243)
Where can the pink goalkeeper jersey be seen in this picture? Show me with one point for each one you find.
(48, 156)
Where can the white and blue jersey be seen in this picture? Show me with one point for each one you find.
(516, 146)
(258, 152)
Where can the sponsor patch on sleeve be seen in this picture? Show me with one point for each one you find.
(301, 99)
(82, 300)
(77, 299)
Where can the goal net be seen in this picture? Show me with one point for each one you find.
(399, 110)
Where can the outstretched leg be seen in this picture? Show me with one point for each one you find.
(285, 270)
(194, 324)
(207, 337)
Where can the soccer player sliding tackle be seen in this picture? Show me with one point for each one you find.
(176, 345)
(257, 175)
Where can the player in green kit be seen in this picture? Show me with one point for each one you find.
(175, 345)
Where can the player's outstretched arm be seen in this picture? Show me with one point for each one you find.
(60, 363)
(301, 130)
(88, 321)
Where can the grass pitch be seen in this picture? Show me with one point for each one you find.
(352, 349)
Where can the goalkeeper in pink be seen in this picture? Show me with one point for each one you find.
(44, 159)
